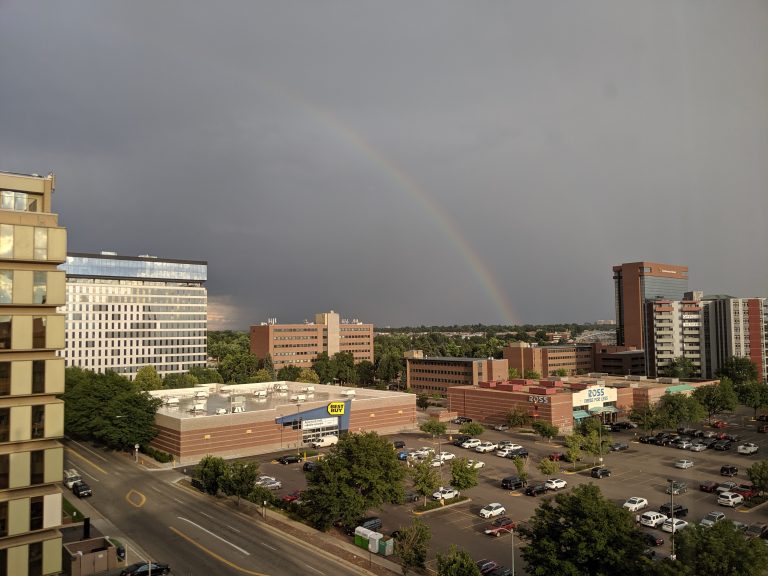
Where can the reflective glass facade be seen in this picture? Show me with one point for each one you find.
(100, 266)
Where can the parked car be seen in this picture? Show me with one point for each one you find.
(618, 446)
(290, 459)
(635, 504)
(412, 497)
(81, 489)
(461, 420)
(676, 511)
(486, 446)
(652, 519)
(756, 530)
(475, 463)
(145, 568)
(501, 571)
(471, 443)
(677, 487)
(501, 427)
(269, 482)
(684, 464)
(503, 453)
(512, 483)
(698, 447)
(746, 490)
(708, 486)
(402, 455)
(447, 493)
(599, 472)
(446, 456)
(763, 428)
(398, 444)
(652, 539)
(762, 418)
(711, 519)
(71, 476)
(673, 525)
(728, 471)
(555, 484)
(730, 499)
(460, 439)
(493, 509)
(294, 496)
(485, 566)
(719, 424)
(747, 448)
(722, 445)
(725, 487)
(503, 525)
(309, 465)
(536, 489)
(518, 453)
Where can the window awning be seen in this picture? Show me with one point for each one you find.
(580, 414)
(603, 409)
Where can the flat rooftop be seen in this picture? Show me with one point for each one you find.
(206, 400)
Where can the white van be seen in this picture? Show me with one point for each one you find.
(325, 441)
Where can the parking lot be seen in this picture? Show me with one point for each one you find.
(642, 470)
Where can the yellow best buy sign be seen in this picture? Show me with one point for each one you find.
(336, 408)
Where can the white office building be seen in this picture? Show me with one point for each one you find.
(126, 312)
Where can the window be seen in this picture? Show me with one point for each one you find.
(39, 287)
(4, 472)
(19, 201)
(6, 241)
(38, 421)
(38, 332)
(41, 243)
(5, 332)
(6, 286)
(5, 424)
(35, 559)
(38, 376)
(3, 520)
(5, 378)
(36, 513)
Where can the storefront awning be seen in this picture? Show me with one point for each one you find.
(603, 409)
(580, 414)
(679, 388)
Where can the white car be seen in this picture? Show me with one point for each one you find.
(505, 452)
(420, 454)
(748, 448)
(475, 463)
(730, 499)
(635, 504)
(471, 443)
(673, 524)
(261, 480)
(684, 464)
(486, 447)
(555, 483)
(711, 519)
(435, 462)
(501, 427)
(698, 447)
(445, 493)
(445, 456)
(652, 519)
(491, 510)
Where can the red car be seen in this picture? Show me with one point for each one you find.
(719, 424)
(293, 496)
(556, 456)
(746, 490)
(708, 486)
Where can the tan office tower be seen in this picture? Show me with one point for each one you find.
(31, 417)
(637, 282)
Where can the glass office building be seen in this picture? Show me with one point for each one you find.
(126, 312)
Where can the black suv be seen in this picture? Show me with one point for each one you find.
(290, 459)
(518, 453)
(599, 472)
(678, 511)
(81, 489)
(512, 483)
(460, 439)
(535, 490)
(461, 420)
(309, 465)
(728, 470)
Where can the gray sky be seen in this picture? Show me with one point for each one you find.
(402, 163)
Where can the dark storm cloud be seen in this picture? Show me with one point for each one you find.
(403, 163)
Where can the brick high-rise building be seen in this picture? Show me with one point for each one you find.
(637, 282)
(32, 244)
(737, 327)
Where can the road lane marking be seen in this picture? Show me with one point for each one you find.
(156, 489)
(232, 528)
(99, 468)
(268, 546)
(313, 568)
(99, 456)
(235, 546)
(179, 501)
(213, 554)
(208, 515)
(141, 498)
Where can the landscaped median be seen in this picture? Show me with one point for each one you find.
(434, 505)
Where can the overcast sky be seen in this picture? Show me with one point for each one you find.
(403, 163)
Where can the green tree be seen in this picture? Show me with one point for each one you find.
(389, 367)
(545, 429)
(720, 549)
(739, 370)
(109, 409)
(433, 427)
(518, 417)
(521, 465)
(560, 372)
(269, 366)
(592, 444)
(422, 401)
(222, 343)
(425, 478)
(716, 398)
(581, 532)
(308, 376)
(532, 375)
(647, 417)
(573, 445)
(205, 375)
(212, 473)
(179, 380)
(549, 467)
(147, 379)
(680, 367)
(239, 368)
(366, 373)
(412, 545)
(343, 367)
(753, 394)
(513, 373)
(473, 429)
(322, 367)
(358, 473)
(239, 479)
(456, 563)
(261, 375)
(463, 476)
(676, 409)
(288, 373)
(758, 475)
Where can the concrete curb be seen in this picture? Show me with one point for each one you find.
(443, 507)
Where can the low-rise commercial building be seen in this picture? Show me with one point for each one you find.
(436, 375)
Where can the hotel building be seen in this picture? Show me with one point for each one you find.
(126, 312)
(299, 344)
(32, 245)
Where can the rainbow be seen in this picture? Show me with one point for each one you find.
(431, 206)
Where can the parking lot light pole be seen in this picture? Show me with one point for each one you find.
(513, 550)
(672, 511)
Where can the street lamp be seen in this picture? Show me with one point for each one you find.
(513, 550)
(298, 425)
(672, 512)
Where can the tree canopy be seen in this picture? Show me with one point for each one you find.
(412, 545)
(680, 367)
(456, 562)
(716, 398)
(739, 370)
(720, 549)
(148, 379)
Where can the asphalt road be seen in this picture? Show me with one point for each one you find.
(188, 530)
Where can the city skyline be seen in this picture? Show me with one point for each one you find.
(436, 165)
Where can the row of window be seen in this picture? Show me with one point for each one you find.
(20, 201)
(38, 378)
(465, 372)
(40, 242)
(37, 423)
(38, 331)
(39, 286)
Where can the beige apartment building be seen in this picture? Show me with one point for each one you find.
(299, 344)
(32, 245)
